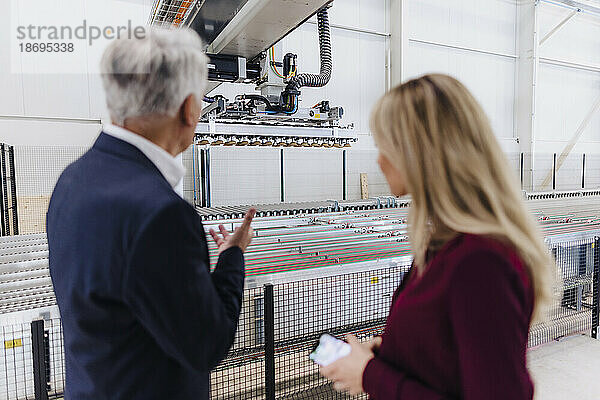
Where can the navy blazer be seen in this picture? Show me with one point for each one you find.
(143, 317)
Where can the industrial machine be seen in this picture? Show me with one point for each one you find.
(242, 44)
(317, 254)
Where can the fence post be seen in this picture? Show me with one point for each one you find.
(521, 166)
(269, 324)
(583, 172)
(3, 174)
(281, 175)
(596, 282)
(554, 171)
(13, 189)
(38, 346)
(205, 176)
(195, 174)
(208, 193)
(5, 191)
(344, 177)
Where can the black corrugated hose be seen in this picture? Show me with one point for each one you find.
(314, 80)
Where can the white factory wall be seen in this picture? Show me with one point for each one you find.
(244, 175)
(470, 39)
(473, 41)
(565, 93)
(476, 42)
(312, 174)
(568, 85)
(58, 108)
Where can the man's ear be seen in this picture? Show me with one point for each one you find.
(188, 111)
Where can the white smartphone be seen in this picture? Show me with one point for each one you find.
(328, 350)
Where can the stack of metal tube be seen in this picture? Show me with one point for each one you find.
(293, 240)
(24, 278)
(293, 244)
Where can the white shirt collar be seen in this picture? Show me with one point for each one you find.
(168, 165)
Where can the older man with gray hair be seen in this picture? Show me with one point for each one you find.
(143, 316)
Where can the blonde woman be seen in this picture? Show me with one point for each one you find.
(458, 324)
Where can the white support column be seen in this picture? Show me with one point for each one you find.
(525, 84)
(398, 41)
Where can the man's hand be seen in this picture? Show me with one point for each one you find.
(241, 237)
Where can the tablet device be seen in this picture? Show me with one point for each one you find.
(328, 350)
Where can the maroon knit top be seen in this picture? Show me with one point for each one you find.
(460, 330)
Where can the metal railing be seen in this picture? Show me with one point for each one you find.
(32, 171)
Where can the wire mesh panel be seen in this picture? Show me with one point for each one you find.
(241, 374)
(16, 367)
(312, 174)
(37, 170)
(596, 290)
(354, 303)
(568, 176)
(242, 175)
(364, 162)
(542, 169)
(55, 357)
(514, 162)
(572, 310)
(592, 171)
(190, 177)
(526, 175)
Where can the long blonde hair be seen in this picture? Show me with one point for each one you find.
(436, 134)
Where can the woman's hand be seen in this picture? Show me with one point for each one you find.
(346, 373)
(374, 343)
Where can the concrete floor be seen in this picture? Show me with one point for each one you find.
(566, 369)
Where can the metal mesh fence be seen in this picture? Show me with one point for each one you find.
(241, 374)
(37, 170)
(16, 368)
(355, 303)
(55, 357)
(572, 309)
(568, 175)
(592, 170)
(280, 323)
(548, 171)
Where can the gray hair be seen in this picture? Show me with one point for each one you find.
(153, 74)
